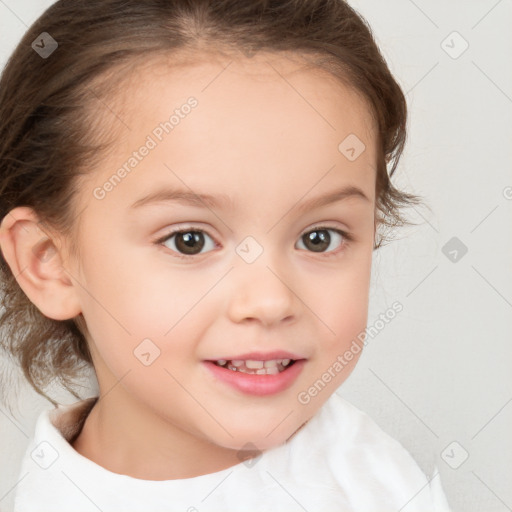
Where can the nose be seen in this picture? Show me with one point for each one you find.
(262, 293)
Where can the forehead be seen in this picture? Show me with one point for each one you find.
(249, 91)
(258, 121)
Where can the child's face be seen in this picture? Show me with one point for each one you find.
(262, 141)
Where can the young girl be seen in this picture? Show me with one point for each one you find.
(191, 194)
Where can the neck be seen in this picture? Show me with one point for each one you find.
(126, 437)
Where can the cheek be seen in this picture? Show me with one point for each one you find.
(128, 302)
(141, 290)
(343, 309)
(342, 302)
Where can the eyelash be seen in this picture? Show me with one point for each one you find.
(347, 239)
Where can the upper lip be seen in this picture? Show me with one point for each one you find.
(261, 356)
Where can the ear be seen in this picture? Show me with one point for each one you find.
(34, 258)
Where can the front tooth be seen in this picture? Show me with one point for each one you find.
(261, 371)
(237, 362)
(271, 364)
(272, 371)
(254, 365)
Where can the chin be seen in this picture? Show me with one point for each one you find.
(260, 435)
(254, 442)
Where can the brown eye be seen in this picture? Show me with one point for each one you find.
(319, 239)
(186, 242)
(190, 242)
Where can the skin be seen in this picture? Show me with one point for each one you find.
(266, 133)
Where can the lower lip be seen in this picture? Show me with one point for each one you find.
(260, 385)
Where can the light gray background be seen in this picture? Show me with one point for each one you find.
(440, 371)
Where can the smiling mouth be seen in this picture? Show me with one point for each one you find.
(255, 367)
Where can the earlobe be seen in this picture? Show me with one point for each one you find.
(35, 261)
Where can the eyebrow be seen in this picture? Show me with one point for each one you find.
(224, 201)
(183, 196)
(332, 197)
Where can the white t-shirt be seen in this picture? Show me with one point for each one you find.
(339, 461)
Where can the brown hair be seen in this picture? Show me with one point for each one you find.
(54, 115)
